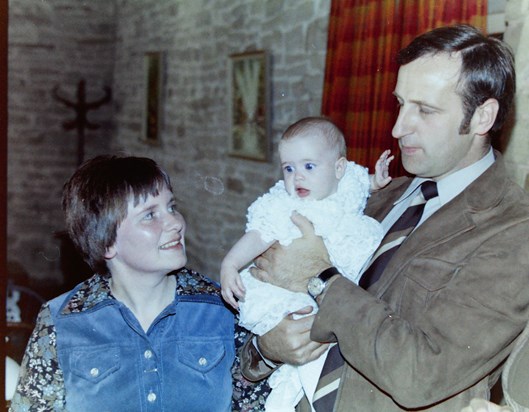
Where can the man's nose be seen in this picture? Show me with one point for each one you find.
(402, 125)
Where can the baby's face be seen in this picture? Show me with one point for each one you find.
(310, 167)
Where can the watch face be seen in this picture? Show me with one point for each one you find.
(315, 286)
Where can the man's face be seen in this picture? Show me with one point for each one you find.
(429, 118)
(150, 240)
(310, 167)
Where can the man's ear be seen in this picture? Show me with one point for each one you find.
(485, 116)
(340, 166)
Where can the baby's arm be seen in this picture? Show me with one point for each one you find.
(381, 177)
(244, 251)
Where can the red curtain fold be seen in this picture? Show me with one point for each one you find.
(361, 72)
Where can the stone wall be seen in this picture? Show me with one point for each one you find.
(517, 35)
(53, 43)
(214, 189)
(59, 42)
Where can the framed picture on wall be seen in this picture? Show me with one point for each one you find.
(152, 105)
(248, 92)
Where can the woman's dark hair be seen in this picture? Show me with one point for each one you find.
(487, 67)
(95, 201)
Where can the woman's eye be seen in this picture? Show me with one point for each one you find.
(172, 209)
(149, 216)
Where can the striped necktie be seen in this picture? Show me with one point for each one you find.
(327, 388)
(398, 233)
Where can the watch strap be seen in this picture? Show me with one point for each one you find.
(328, 273)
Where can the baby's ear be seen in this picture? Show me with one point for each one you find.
(340, 166)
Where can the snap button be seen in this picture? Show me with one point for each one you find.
(202, 361)
(151, 397)
(94, 372)
(147, 354)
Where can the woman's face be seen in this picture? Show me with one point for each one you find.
(150, 240)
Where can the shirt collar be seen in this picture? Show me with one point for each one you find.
(453, 184)
(92, 292)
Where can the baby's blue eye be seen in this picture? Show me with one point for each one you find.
(310, 166)
(288, 169)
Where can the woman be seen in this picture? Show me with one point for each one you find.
(143, 333)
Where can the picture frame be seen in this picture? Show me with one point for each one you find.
(154, 69)
(248, 91)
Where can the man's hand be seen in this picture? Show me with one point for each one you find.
(290, 267)
(289, 342)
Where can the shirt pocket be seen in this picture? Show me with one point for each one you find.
(201, 356)
(95, 364)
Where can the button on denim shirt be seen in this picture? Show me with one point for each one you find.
(182, 363)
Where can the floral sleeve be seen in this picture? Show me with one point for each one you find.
(247, 396)
(40, 384)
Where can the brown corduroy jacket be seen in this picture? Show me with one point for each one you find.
(434, 331)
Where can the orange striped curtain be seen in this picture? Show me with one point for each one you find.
(361, 72)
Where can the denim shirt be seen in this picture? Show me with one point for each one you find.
(108, 363)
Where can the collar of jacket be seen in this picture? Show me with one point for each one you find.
(96, 290)
(477, 196)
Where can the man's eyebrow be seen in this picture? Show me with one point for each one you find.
(418, 102)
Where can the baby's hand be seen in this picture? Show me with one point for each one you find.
(232, 286)
(381, 177)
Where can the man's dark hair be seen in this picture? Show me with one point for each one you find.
(487, 67)
(95, 201)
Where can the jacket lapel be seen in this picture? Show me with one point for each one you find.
(456, 217)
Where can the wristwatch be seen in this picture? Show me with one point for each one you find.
(317, 284)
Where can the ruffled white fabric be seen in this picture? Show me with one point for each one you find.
(350, 238)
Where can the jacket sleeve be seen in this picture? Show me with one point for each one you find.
(40, 384)
(253, 367)
(446, 320)
(250, 389)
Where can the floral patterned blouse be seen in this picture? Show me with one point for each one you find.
(41, 375)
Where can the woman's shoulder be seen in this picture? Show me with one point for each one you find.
(190, 282)
(85, 296)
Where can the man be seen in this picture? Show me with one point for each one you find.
(434, 329)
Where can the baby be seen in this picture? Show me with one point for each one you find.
(320, 184)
